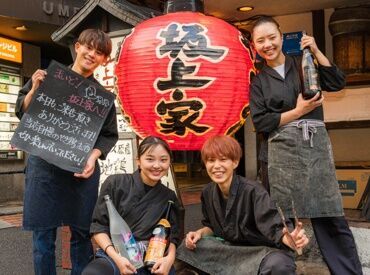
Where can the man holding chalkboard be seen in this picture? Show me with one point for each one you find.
(53, 196)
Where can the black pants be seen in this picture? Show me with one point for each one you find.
(337, 245)
(278, 263)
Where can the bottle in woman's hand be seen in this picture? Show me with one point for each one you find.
(311, 78)
(159, 240)
(122, 237)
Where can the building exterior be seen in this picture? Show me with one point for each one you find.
(25, 45)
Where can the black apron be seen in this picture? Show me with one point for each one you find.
(216, 257)
(54, 197)
(301, 169)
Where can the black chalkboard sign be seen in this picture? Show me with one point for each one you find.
(64, 118)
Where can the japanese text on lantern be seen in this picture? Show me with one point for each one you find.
(187, 46)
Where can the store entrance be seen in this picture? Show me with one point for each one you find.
(190, 173)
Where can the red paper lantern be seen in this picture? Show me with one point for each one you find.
(184, 76)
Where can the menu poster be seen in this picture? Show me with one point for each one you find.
(64, 119)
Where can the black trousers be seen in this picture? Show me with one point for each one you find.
(337, 245)
(278, 263)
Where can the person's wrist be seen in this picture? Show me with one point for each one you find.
(297, 113)
(107, 247)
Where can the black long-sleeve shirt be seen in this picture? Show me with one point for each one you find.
(248, 216)
(141, 209)
(271, 95)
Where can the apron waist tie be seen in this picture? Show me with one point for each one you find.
(308, 126)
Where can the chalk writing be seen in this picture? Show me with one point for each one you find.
(90, 93)
(72, 80)
(88, 105)
(64, 119)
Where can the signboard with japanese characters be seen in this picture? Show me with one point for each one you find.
(64, 119)
(10, 50)
(184, 77)
(120, 160)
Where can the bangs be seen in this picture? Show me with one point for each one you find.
(97, 39)
(221, 146)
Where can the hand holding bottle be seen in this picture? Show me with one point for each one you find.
(163, 265)
(309, 41)
(124, 266)
(305, 106)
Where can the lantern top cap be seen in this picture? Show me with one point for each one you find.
(183, 5)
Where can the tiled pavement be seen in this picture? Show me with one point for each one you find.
(11, 221)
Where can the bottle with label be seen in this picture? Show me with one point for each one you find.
(311, 78)
(159, 240)
(122, 237)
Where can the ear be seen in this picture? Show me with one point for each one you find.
(137, 162)
(235, 164)
(77, 46)
(252, 44)
(105, 61)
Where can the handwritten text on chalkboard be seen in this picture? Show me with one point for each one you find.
(64, 119)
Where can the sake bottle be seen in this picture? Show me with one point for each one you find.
(159, 240)
(122, 237)
(311, 78)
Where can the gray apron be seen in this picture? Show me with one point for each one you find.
(216, 257)
(301, 169)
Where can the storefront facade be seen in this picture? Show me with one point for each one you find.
(25, 45)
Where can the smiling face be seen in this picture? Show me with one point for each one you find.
(220, 170)
(268, 42)
(88, 59)
(154, 164)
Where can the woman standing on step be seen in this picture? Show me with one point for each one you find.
(297, 147)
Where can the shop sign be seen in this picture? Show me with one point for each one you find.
(63, 10)
(10, 50)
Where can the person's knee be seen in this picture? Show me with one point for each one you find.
(99, 266)
(90, 270)
(277, 263)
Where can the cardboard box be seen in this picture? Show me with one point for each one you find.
(352, 183)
